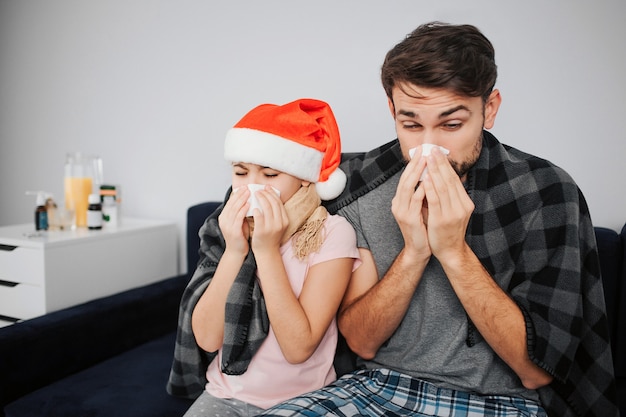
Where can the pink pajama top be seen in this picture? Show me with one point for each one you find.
(270, 379)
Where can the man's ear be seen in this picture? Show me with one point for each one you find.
(392, 108)
(491, 108)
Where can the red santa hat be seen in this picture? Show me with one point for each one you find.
(300, 138)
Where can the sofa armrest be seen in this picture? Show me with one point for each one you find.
(37, 352)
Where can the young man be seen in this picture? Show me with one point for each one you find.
(479, 293)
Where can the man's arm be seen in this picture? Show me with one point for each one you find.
(496, 316)
(372, 309)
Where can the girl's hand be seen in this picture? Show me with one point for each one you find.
(232, 221)
(270, 222)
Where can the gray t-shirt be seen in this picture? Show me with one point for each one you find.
(431, 342)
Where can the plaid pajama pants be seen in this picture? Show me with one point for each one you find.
(383, 392)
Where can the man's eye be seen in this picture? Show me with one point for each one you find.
(411, 126)
(453, 126)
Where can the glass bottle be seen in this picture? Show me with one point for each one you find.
(83, 176)
(94, 212)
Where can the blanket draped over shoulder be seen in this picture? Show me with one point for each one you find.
(532, 231)
(246, 321)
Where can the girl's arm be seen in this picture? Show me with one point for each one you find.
(300, 323)
(207, 320)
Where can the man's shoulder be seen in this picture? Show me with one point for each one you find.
(367, 171)
(505, 163)
(509, 183)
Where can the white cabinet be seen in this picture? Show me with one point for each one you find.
(46, 271)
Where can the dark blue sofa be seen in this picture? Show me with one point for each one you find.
(111, 357)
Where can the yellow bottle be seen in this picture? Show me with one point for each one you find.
(82, 174)
(77, 190)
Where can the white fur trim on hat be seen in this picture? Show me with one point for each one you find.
(333, 186)
(266, 149)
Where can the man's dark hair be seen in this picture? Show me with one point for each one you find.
(441, 55)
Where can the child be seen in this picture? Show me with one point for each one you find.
(264, 297)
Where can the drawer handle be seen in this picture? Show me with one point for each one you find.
(7, 318)
(8, 283)
(7, 248)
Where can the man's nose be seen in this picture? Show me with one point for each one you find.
(430, 137)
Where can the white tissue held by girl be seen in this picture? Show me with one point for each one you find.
(254, 202)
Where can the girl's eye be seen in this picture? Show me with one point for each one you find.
(240, 173)
(270, 173)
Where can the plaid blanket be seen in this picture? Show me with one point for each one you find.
(246, 324)
(532, 231)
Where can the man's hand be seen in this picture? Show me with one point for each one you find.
(409, 210)
(449, 207)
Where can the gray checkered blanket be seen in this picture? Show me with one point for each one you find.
(532, 231)
(246, 322)
(539, 210)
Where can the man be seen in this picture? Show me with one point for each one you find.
(479, 292)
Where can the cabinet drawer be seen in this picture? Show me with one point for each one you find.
(4, 323)
(21, 265)
(21, 301)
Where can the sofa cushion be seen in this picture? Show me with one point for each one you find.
(39, 351)
(196, 215)
(130, 384)
(620, 321)
(610, 254)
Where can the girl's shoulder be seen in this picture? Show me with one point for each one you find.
(337, 221)
(339, 230)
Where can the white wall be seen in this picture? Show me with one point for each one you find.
(152, 86)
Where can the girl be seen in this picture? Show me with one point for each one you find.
(263, 302)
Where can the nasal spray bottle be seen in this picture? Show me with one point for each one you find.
(41, 212)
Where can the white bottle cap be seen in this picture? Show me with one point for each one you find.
(94, 199)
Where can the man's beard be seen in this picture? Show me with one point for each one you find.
(461, 168)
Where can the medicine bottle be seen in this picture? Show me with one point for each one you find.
(94, 212)
(109, 211)
(41, 213)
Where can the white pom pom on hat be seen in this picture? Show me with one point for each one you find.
(300, 138)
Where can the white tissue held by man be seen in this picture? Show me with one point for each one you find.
(426, 149)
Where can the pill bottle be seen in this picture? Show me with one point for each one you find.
(94, 212)
(109, 211)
